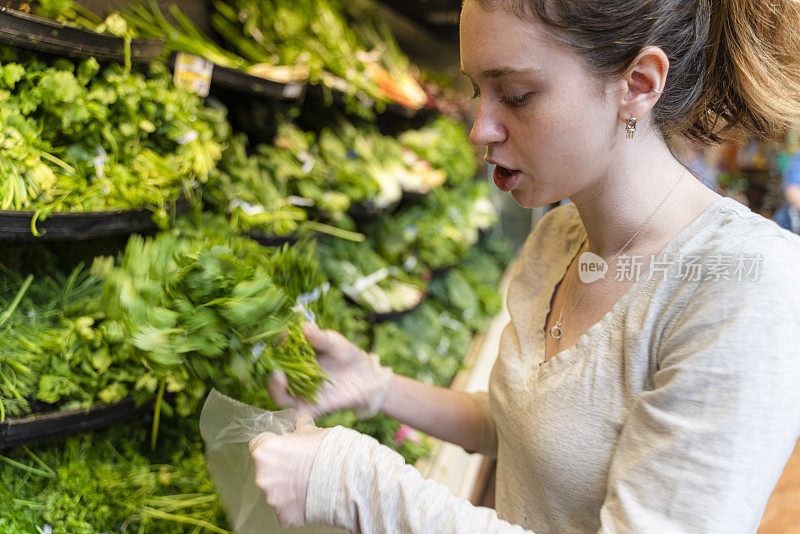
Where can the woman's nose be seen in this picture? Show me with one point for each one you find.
(487, 130)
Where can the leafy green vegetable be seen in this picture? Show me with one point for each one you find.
(67, 12)
(149, 21)
(445, 144)
(440, 230)
(203, 310)
(81, 138)
(469, 290)
(109, 482)
(367, 279)
(428, 344)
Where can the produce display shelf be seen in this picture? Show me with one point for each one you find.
(55, 425)
(322, 94)
(245, 83)
(77, 226)
(28, 31)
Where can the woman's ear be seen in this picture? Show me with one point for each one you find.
(643, 83)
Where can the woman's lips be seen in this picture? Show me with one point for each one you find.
(504, 178)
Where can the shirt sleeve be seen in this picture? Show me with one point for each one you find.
(363, 486)
(702, 450)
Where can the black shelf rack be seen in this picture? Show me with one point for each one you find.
(31, 32)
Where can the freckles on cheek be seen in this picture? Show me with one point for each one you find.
(581, 130)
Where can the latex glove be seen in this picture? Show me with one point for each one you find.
(357, 380)
(283, 467)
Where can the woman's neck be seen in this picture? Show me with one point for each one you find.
(646, 179)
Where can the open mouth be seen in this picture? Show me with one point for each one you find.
(505, 178)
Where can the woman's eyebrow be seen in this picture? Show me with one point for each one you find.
(499, 72)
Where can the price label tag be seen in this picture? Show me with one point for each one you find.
(193, 73)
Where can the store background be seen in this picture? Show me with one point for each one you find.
(747, 170)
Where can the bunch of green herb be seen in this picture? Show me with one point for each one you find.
(445, 144)
(254, 192)
(328, 164)
(82, 138)
(469, 290)
(354, 158)
(367, 279)
(440, 230)
(191, 308)
(50, 344)
(327, 173)
(197, 313)
(362, 155)
(428, 344)
(149, 21)
(248, 194)
(315, 33)
(297, 269)
(110, 481)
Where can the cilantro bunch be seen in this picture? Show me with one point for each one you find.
(445, 144)
(197, 312)
(245, 190)
(109, 481)
(440, 230)
(85, 138)
(175, 314)
(469, 290)
(367, 279)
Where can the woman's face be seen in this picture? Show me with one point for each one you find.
(546, 122)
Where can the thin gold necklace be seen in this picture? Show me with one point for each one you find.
(557, 330)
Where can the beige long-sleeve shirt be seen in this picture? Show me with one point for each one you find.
(676, 412)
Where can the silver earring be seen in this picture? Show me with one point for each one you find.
(630, 127)
(657, 91)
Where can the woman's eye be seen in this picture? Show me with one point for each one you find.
(516, 101)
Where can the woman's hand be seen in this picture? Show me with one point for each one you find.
(357, 380)
(283, 467)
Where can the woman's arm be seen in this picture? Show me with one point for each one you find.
(363, 486)
(357, 381)
(452, 416)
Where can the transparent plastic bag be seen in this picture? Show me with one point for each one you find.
(227, 426)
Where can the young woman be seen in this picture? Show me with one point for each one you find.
(649, 378)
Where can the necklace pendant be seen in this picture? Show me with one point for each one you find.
(555, 332)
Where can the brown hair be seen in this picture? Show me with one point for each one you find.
(733, 63)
